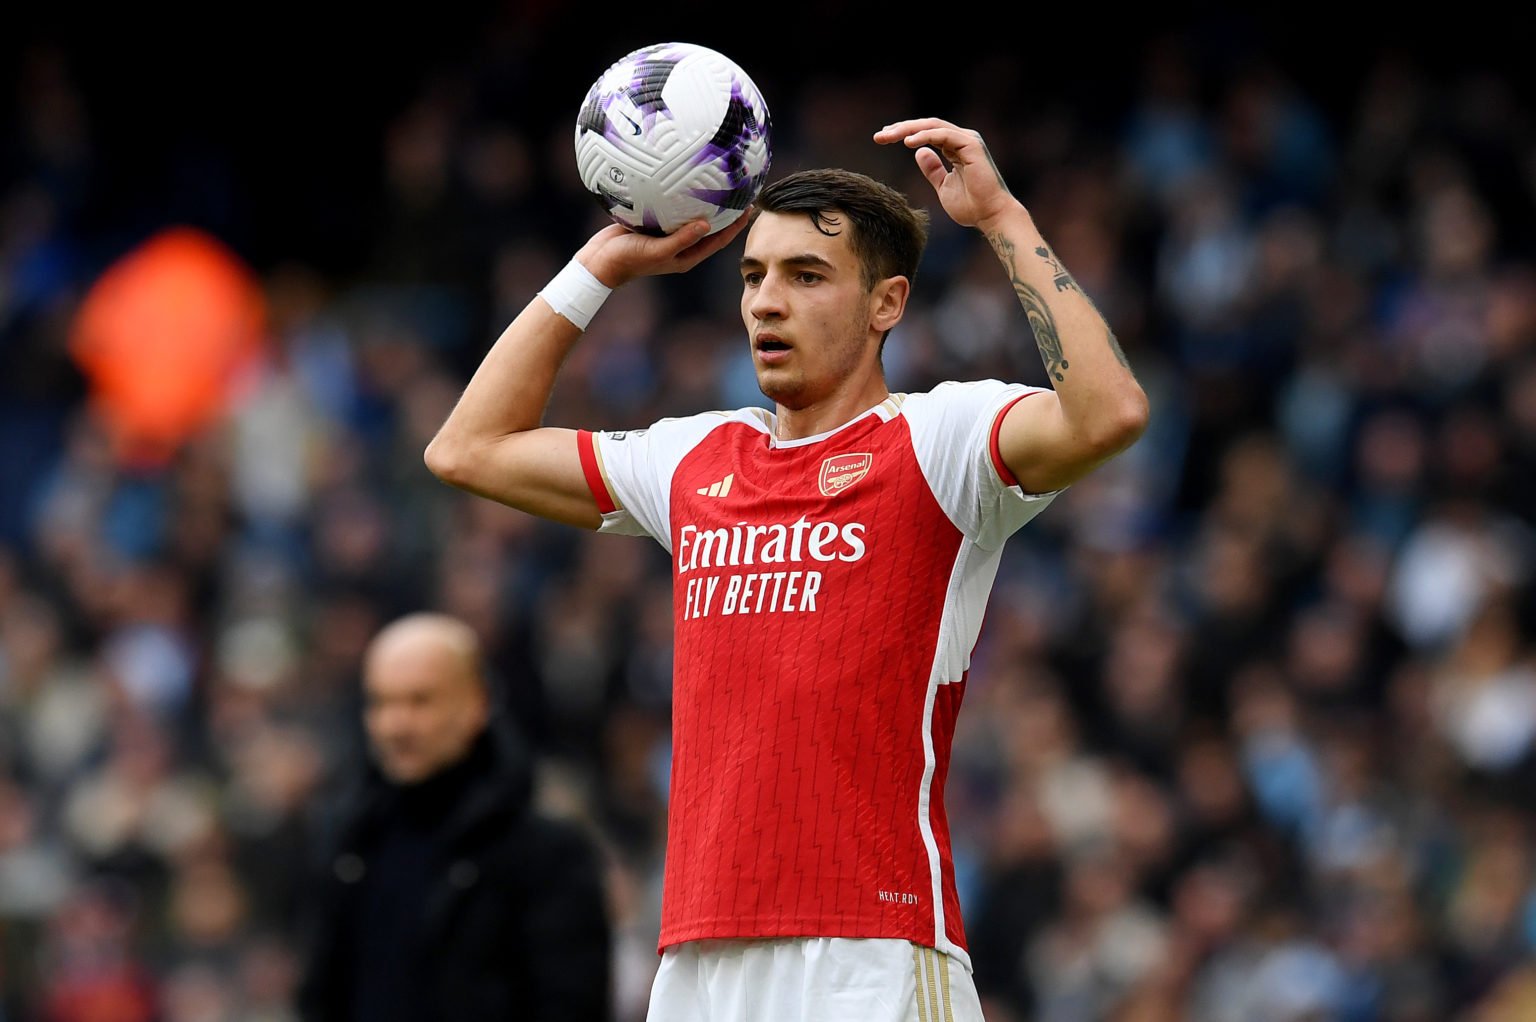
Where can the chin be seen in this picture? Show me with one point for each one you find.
(782, 392)
(403, 773)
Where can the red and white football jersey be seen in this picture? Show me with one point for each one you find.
(828, 592)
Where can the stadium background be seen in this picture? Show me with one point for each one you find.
(1251, 730)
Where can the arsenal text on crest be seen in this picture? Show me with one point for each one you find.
(841, 471)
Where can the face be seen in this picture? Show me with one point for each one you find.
(424, 706)
(813, 327)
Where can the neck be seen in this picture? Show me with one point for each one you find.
(440, 790)
(834, 411)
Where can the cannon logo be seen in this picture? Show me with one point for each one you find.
(841, 471)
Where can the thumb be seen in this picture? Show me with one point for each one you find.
(932, 167)
(684, 236)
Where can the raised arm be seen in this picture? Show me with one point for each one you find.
(492, 443)
(1097, 409)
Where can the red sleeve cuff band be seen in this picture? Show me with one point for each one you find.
(993, 445)
(586, 446)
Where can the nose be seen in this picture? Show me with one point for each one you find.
(767, 301)
(390, 722)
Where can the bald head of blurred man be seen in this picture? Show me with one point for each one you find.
(425, 696)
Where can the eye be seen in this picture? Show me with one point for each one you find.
(752, 279)
(807, 277)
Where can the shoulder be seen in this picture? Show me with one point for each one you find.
(346, 809)
(559, 838)
(540, 846)
(961, 405)
(689, 429)
(962, 391)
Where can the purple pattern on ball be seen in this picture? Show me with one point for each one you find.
(650, 78)
(625, 107)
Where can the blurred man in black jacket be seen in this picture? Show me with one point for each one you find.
(441, 896)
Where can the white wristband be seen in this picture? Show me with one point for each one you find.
(576, 294)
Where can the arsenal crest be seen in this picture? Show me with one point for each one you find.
(841, 471)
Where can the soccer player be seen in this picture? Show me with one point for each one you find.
(831, 563)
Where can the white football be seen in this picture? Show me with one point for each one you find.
(672, 133)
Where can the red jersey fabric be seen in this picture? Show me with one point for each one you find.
(827, 593)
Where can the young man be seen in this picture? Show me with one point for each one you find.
(831, 564)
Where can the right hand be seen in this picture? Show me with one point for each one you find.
(970, 187)
(616, 255)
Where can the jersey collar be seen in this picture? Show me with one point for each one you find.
(886, 410)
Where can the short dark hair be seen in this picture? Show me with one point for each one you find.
(888, 231)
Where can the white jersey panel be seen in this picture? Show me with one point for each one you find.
(637, 467)
(951, 435)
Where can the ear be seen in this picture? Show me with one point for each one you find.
(887, 303)
(480, 708)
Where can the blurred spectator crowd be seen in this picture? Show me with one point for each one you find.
(1250, 733)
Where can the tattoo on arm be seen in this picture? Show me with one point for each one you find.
(1064, 281)
(1047, 338)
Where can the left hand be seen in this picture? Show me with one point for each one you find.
(970, 188)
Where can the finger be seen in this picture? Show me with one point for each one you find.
(932, 167)
(684, 238)
(661, 248)
(899, 130)
(706, 247)
(953, 142)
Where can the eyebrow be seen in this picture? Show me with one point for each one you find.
(806, 259)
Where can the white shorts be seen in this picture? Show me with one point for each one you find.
(811, 979)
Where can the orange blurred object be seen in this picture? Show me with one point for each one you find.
(163, 336)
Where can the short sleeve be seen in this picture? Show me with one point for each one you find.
(630, 472)
(955, 437)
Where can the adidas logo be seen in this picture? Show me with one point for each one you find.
(719, 489)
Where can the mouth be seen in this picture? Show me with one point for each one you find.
(771, 347)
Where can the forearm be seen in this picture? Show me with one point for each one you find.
(510, 390)
(493, 443)
(1099, 395)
